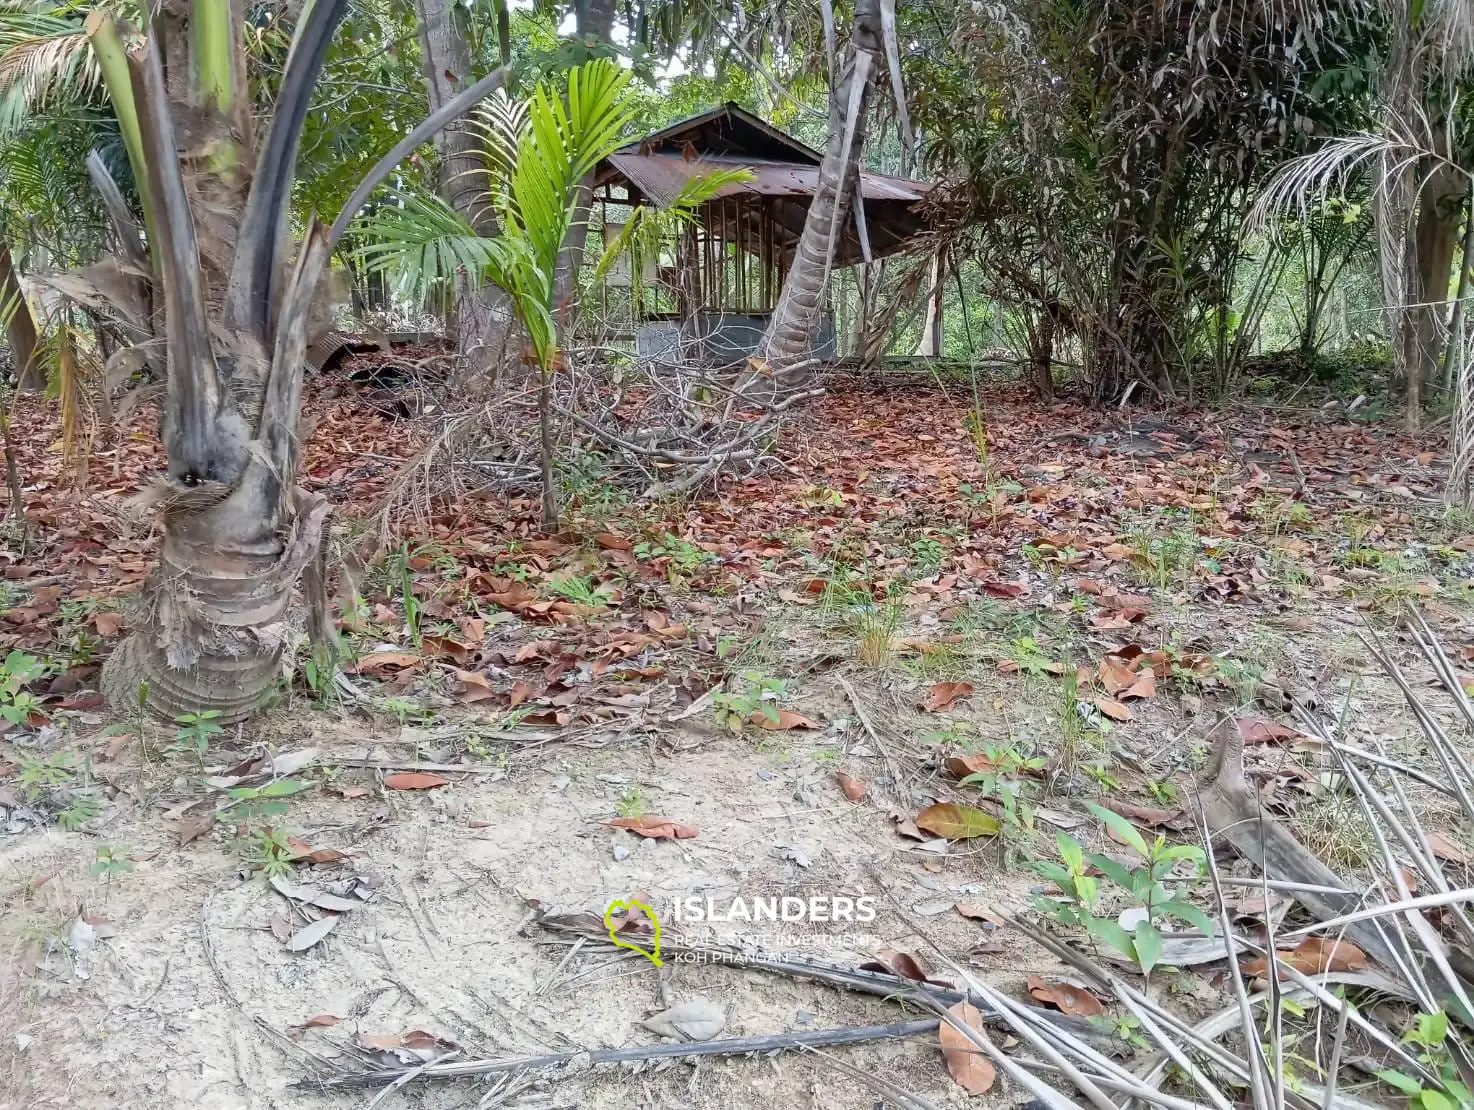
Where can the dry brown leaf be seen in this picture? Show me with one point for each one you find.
(107, 624)
(1115, 675)
(1148, 815)
(379, 663)
(957, 822)
(192, 828)
(1066, 997)
(1312, 956)
(521, 691)
(968, 1064)
(1006, 589)
(414, 780)
(1145, 686)
(943, 694)
(656, 828)
(1114, 709)
(854, 789)
(787, 719)
(978, 913)
(906, 827)
(1448, 849)
(320, 1021)
(1253, 730)
(888, 961)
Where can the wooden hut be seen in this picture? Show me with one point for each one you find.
(726, 271)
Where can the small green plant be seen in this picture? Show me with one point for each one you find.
(1124, 1027)
(1030, 657)
(194, 732)
(137, 726)
(1162, 791)
(110, 861)
(16, 672)
(1107, 782)
(1146, 886)
(1279, 514)
(758, 694)
(926, 555)
(83, 808)
(580, 589)
(401, 708)
(404, 581)
(1429, 1039)
(632, 803)
(817, 497)
(683, 555)
(266, 849)
(38, 775)
(1004, 783)
(262, 845)
(875, 626)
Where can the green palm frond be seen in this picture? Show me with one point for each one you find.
(42, 59)
(501, 121)
(420, 243)
(561, 145)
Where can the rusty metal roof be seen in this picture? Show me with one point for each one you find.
(661, 176)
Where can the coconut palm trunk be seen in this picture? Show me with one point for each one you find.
(238, 533)
(794, 323)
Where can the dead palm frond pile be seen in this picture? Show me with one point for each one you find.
(1366, 1003)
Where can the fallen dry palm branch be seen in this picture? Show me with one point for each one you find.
(652, 430)
(1258, 1050)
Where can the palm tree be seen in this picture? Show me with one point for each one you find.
(235, 298)
(791, 329)
(536, 162)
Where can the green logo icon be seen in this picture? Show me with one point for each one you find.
(653, 952)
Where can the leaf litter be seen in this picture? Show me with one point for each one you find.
(573, 666)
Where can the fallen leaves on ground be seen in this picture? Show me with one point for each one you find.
(943, 695)
(854, 788)
(1066, 997)
(1313, 955)
(1114, 709)
(415, 780)
(656, 828)
(889, 961)
(1254, 730)
(957, 822)
(1448, 849)
(967, 1063)
(1149, 815)
(786, 719)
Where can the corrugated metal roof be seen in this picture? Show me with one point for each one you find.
(661, 176)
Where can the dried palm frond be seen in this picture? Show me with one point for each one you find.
(1243, 1053)
(38, 68)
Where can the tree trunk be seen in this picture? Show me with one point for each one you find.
(213, 618)
(790, 332)
(1435, 238)
(20, 325)
(931, 329)
(595, 23)
(482, 316)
